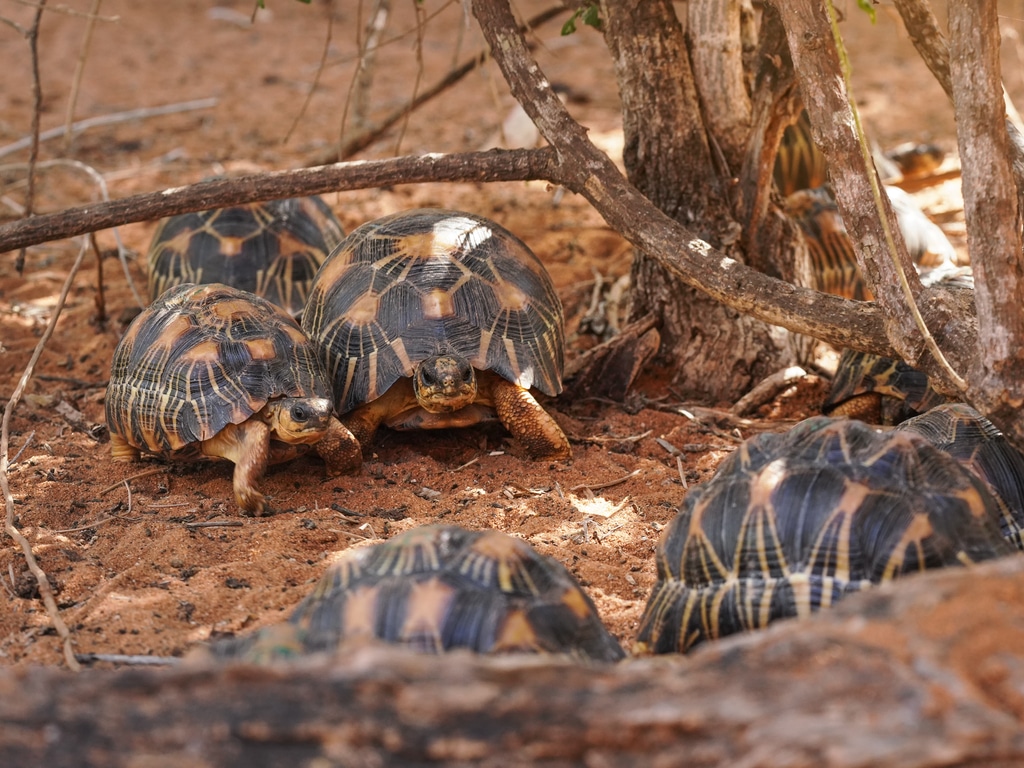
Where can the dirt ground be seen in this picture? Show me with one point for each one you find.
(157, 563)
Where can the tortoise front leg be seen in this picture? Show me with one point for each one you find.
(528, 422)
(364, 421)
(122, 450)
(340, 449)
(248, 446)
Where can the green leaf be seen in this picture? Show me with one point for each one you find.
(869, 8)
(591, 16)
(570, 26)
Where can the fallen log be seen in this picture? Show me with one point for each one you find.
(924, 672)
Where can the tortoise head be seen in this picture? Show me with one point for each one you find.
(298, 420)
(444, 383)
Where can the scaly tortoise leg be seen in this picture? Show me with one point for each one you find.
(122, 450)
(340, 449)
(528, 422)
(248, 446)
(364, 421)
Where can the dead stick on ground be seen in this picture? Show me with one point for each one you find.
(608, 484)
(767, 389)
(131, 660)
(136, 476)
(45, 591)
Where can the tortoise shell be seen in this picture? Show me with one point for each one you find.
(793, 522)
(833, 261)
(974, 441)
(427, 282)
(271, 249)
(879, 389)
(884, 390)
(834, 267)
(203, 357)
(800, 164)
(439, 588)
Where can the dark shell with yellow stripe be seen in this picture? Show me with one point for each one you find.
(793, 522)
(974, 441)
(200, 358)
(439, 588)
(882, 390)
(879, 390)
(408, 286)
(271, 249)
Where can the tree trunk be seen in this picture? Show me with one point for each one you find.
(923, 672)
(716, 352)
(990, 208)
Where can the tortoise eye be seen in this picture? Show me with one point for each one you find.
(427, 376)
(300, 413)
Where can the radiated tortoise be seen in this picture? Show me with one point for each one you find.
(272, 249)
(214, 372)
(974, 441)
(440, 588)
(434, 318)
(793, 522)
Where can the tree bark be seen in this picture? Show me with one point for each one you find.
(923, 672)
(990, 207)
(716, 51)
(833, 124)
(716, 353)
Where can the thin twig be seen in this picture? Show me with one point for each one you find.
(128, 659)
(316, 77)
(37, 108)
(607, 484)
(679, 468)
(420, 69)
(136, 476)
(101, 300)
(45, 591)
(76, 79)
(472, 461)
(366, 137)
(28, 441)
(97, 177)
(112, 119)
(216, 524)
(362, 82)
(97, 523)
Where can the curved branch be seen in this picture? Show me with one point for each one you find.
(588, 171)
(494, 165)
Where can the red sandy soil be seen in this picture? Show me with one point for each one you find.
(156, 564)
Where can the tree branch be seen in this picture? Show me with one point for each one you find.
(816, 60)
(494, 165)
(572, 161)
(924, 32)
(588, 171)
